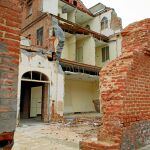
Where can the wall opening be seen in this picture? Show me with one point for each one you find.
(34, 96)
(75, 3)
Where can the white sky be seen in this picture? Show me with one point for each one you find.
(129, 10)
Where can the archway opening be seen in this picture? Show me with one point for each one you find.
(34, 97)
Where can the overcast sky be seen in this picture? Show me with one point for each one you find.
(129, 10)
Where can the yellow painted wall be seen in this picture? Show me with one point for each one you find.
(69, 51)
(94, 24)
(79, 95)
(88, 45)
(71, 16)
(65, 50)
(98, 59)
(72, 48)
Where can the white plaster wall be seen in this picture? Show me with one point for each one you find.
(72, 48)
(79, 96)
(50, 69)
(107, 31)
(65, 50)
(94, 24)
(62, 15)
(69, 51)
(71, 16)
(88, 45)
(50, 6)
(98, 58)
(89, 51)
(119, 45)
(115, 48)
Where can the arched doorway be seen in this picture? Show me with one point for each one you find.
(34, 96)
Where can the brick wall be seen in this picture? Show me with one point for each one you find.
(125, 91)
(125, 94)
(10, 22)
(36, 12)
(46, 24)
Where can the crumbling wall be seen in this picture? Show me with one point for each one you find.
(125, 94)
(116, 22)
(125, 91)
(10, 20)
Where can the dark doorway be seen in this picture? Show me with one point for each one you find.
(34, 96)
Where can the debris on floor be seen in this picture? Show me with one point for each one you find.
(56, 136)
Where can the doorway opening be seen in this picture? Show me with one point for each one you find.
(34, 96)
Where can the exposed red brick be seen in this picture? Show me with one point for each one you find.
(9, 30)
(9, 56)
(12, 36)
(125, 90)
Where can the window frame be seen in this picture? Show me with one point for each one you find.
(39, 39)
(105, 54)
(104, 23)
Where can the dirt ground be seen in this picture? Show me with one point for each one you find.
(35, 135)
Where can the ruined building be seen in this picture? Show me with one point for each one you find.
(51, 89)
(92, 38)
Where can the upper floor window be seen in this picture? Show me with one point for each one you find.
(105, 54)
(75, 3)
(40, 36)
(104, 23)
(88, 27)
(29, 8)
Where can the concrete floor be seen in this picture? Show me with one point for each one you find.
(38, 136)
(32, 134)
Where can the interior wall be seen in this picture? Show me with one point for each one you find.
(98, 56)
(88, 45)
(71, 16)
(94, 24)
(72, 47)
(69, 51)
(89, 51)
(79, 96)
(65, 50)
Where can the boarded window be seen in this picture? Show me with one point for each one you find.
(104, 23)
(40, 36)
(105, 53)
